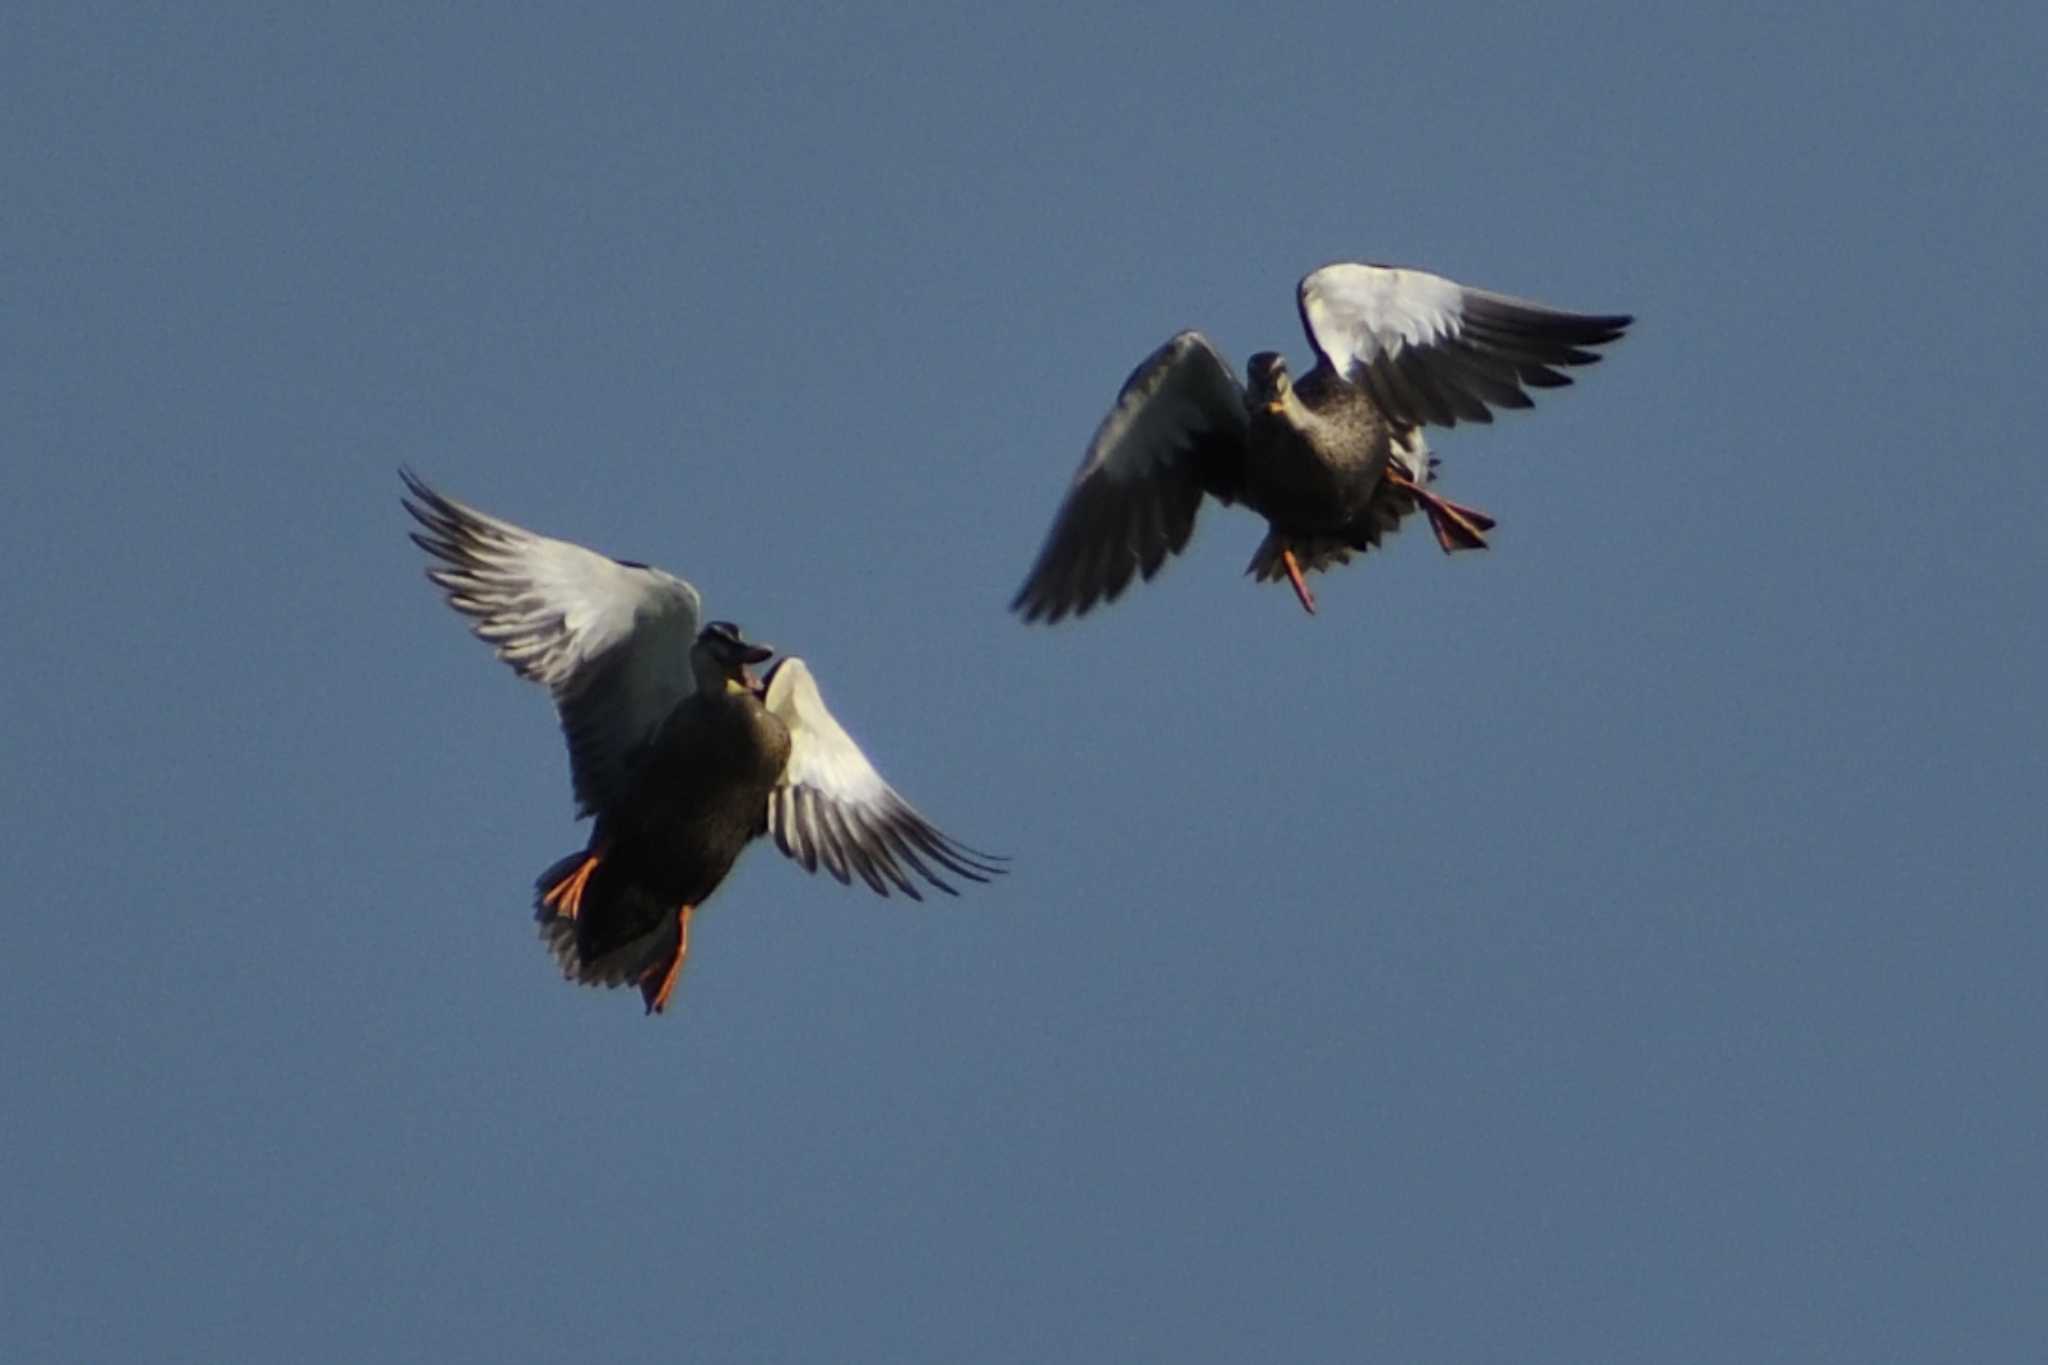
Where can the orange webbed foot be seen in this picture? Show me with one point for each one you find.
(565, 897)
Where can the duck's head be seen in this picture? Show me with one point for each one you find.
(720, 658)
(1269, 384)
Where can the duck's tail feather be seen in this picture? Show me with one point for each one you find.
(1312, 553)
(604, 927)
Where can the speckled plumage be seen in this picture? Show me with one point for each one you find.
(1333, 462)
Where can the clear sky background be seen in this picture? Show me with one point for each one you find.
(1622, 945)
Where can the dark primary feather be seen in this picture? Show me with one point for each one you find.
(880, 845)
(1502, 346)
(1174, 435)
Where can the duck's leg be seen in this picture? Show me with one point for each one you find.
(1457, 528)
(1293, 565)
(660, 979)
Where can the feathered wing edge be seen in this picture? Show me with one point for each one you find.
(610, 640)
(1428, 349)
(832, 809)
(1175, 434)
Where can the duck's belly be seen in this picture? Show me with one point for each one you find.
(1300, 489)
(700, 799)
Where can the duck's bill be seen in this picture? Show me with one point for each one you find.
(754, 654)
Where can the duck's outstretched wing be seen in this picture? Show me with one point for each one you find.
(1428, 349)
(832, 808)
(1176, 432)
(610, 640)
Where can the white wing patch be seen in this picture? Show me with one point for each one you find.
(1426, 349)
(609, 640)
(1356, 313)
(833, 808)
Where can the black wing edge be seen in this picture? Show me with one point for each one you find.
(880, 847)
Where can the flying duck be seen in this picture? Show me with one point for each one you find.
(1332, 461)
(681, 753)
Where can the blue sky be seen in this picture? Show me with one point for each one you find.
(1621, 945)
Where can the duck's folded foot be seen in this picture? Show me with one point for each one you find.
(1308, 600)
(1457, 528)
(659, 980)
(565, 897)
